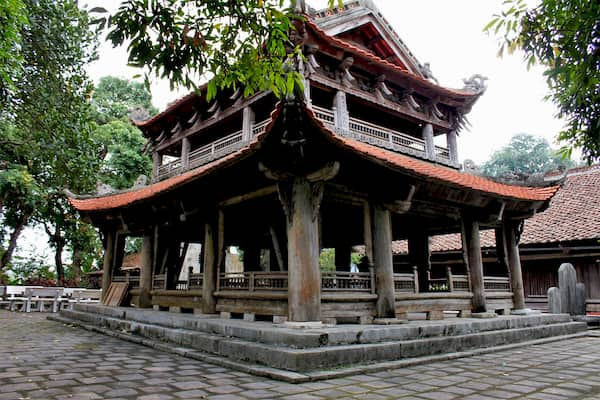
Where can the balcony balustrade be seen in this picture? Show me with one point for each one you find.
(357, 129)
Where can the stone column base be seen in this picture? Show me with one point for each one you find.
(303, 324)
(525, 311)
(484, 315)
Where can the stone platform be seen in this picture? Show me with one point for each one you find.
(298, 355)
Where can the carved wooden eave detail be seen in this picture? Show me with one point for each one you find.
(201, 124)
(361, 13)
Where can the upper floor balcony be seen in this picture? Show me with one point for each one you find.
(354, 128)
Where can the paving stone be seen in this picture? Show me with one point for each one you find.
(113, 369)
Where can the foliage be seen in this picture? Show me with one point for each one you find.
(114, 98)
(327, 260)
(523, 156)
(121, 149)
(239, 43)
(12, 18)
(564, 37)
(23, 269)
(47, 116)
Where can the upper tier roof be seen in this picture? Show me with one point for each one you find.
(358, 30)
(360, 22)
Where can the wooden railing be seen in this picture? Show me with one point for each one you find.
(442, 153)
(170, 169)
(496, 284)
(133, 280)
(381, 136)
(324, 115)
(407, 283)
(194, 282)
(159, 281)
(358, 129)
(348, 281)
(211, 151)
(251, 281)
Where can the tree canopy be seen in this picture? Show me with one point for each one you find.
(564, 37)
(234, 43)
(523, 156)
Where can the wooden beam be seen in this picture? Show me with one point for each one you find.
(249, 196)
(277, 248)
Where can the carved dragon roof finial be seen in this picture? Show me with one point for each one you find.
(476, 83)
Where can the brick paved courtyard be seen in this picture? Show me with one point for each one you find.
(41, 359)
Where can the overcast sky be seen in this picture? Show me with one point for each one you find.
(448, 35)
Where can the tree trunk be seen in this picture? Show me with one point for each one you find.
(59, 243)
(12, 244)
(76, 265)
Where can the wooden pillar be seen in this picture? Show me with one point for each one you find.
(429, 144)
(452, 146)
(185, 153)
(304, 275)
(420, 256)
(156, 163)
(209, 281)
(514, 263)
(247, 123)
(384, 267)
(472, 246)
(146, 272)
(368, 232)
(342, 119)
(109, 259)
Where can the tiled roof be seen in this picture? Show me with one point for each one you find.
(406, 164)
(345, 45)
(573, 214)
(448, 175)
(350, 48)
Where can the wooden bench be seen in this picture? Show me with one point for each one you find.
(39, 297)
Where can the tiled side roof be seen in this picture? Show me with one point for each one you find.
(392, 160)
(573, 214)
(448, 175)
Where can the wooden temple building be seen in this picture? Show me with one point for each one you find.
(368, 156)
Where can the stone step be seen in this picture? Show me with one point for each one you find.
(268, 333)
(309, 351)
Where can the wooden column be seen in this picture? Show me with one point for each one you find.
(342, 119)
(185, 153)
(420, 256)
(452, 146)
(156, 163)
(384, 268)
(109, 259)
(209, 281)
(368, 232)
(146, 272)
(514, 263)
(429, 144)
(304, 288)
(247, 123)
(471, 244)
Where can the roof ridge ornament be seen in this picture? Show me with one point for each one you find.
(475, 83)
(425, 69)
